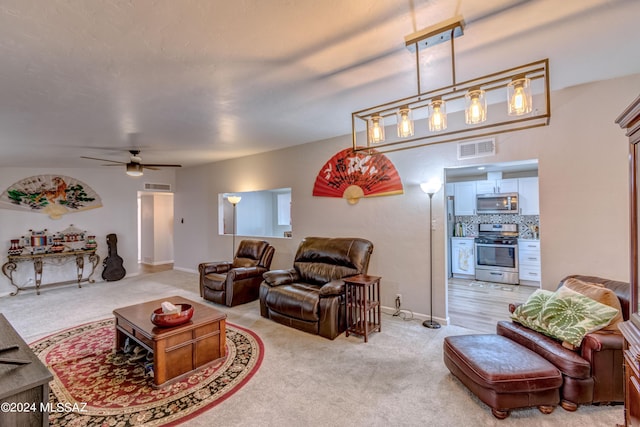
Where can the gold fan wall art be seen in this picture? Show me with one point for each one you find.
(352, 175)
(54, 195)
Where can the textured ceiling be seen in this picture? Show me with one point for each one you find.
(195, 81)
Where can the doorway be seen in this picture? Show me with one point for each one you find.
(472, 300)
(155, 230)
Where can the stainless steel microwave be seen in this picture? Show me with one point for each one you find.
(497, 203)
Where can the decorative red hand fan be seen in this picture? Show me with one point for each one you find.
(353, 175)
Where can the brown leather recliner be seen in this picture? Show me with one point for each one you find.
(310, 296)
(237, 282)
(593, 372)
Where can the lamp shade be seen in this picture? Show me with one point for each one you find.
(519, 96)
(375, 124)
(475, 106)
(437, 115)
(134, 169)
(234, 200)
(432, 186)
(405, 122)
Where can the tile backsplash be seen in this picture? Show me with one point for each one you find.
(526, 223)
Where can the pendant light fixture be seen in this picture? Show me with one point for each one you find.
(376, 129)
(519, 95)
(475, 106)
(405, 122)
(437, 115)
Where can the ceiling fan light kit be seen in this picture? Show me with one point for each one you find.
(504, 101)
(134, 169)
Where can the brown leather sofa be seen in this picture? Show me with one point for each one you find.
(310, 296)
(593, 372)
(236, 282)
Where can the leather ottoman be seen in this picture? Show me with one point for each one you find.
(502, 373)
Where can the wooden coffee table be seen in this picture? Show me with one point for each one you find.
(178, 350)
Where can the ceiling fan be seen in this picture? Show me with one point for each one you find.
(134, 166)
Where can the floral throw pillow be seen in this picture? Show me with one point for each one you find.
(568, 315)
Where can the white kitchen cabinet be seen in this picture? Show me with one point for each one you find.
(465, 198)
(463, 261)
(529, 266)
(497, 186)
(528, 194)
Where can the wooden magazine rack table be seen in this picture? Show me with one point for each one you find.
(178, 350)
(362, 294)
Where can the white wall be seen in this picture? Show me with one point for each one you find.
(583, 197)
(118, 215)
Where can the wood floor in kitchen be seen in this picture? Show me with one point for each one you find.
(480, 305)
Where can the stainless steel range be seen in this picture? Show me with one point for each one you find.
(497, 253)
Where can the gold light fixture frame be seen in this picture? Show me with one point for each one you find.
(537, 72)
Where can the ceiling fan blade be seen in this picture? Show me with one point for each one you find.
(102, 160)
(161, 166)
(153, 168)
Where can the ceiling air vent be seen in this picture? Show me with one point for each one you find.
(157, 187)
(475, 149)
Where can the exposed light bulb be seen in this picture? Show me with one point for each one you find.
(519, 93)
(437, 115)
(405, 122)
(476, 107)
(376, 129)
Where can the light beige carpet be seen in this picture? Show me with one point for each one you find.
(398, 378)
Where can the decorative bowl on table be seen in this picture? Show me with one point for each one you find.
(164, 320)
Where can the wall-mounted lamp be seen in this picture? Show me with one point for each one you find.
(504, 101)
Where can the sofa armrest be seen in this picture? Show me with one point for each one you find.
(332, 288)
(240, 273)
(600, 341)
(214, 267)
(280, 277)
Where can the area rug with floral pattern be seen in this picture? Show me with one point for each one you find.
(94, 385)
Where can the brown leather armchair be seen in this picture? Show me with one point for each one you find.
(237, 282)
(310, 296)
(591, 373)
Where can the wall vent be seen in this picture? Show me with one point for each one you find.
(157, 187)
(475, 149)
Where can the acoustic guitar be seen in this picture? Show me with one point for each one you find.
(113, 269)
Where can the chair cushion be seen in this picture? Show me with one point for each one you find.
(249, 253)
(297, 300)
(215, 281)
(319, 260)
(568, 361)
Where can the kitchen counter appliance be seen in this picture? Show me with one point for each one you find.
(497, 253)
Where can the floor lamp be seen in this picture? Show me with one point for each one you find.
(431, 187)
(234, 200)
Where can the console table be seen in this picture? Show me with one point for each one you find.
(58, 258)
(362, 295)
